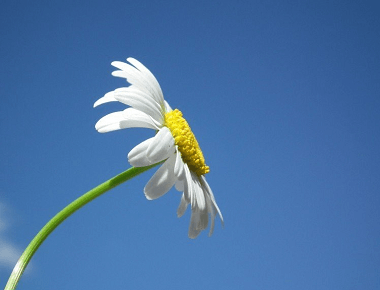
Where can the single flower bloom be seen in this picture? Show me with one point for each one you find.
(174, 142)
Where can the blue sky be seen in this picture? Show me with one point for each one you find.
(284, 98)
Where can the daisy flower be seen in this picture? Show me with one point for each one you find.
(174, 143)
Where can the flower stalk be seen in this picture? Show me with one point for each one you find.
(64, 214)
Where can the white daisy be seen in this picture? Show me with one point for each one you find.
(174, 142)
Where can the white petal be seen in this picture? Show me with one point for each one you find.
(211, 210)
(193, 190)
(194, 230)
(162, 146)
(212, 198)
(153, 83)
(129, 118)
(198, 222)
(110, 122)
(182, 206)
(139, 93)
(198, 191)
(180, 185)
(203, 223)
(130, 73)
(178, 167)
(140, 79)
(167, 107)
(218, 210)
(188, 185)
(162, 180)
(109, 97)
(140, 101)
(134, 78)
(137, 156)
(132, 116)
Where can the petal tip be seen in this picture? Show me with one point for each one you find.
(148, 197)
(97, 103)
(115, 63)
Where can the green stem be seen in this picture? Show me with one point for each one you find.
(65, 213)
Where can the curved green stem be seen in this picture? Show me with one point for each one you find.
(65, 213)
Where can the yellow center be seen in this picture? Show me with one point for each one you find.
(187, 144)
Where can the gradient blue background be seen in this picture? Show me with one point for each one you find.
(284, 98)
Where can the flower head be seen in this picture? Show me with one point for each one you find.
(174, 143)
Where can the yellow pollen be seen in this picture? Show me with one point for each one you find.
(187, 144)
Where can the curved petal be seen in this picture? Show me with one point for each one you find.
(198, 222)
(162, 181)
(131, 74)
(188, 184)
(200, 201)
(140, 79)
(132, 114)
(167, 107)
(193, 190)
(182, 206)
(153, 83)
(137, 156)
(194, 231)
(139, 93)
(212, 198)
(139, 101)
(211, 210)
(178, 166)
(109, 97)
(129, 118)
(180, 185)
(110, 122)
(198, 193)
(162, 146)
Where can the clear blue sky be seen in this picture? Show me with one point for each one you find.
(284, 98)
